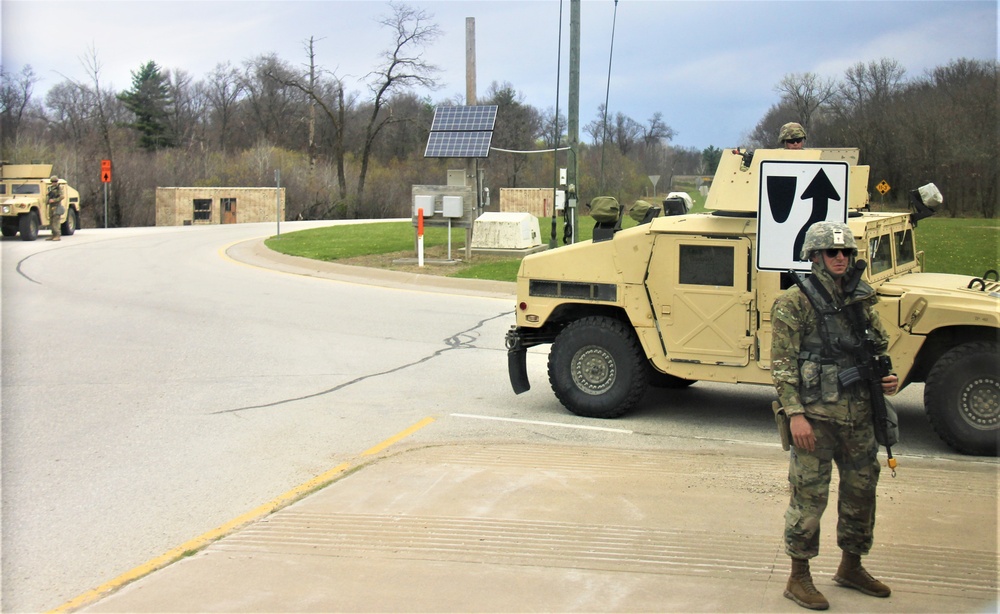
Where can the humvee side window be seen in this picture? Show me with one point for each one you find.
(26, 188)
(904, 246)
(203, 209)
(706, 265)
(881, 254)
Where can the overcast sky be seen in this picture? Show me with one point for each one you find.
(708, 66)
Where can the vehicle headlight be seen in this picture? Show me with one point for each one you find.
(6, 209)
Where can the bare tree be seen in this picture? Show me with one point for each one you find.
(186, 113)
(864, 106)
(15, 97)
(102, 109)
(223, 89)
(765, 133)
(806, 93)
(271, 104)
(328, 95)
(403, 67)
(657, 133)
(553, 126)
(517, 127)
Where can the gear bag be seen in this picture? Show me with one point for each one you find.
(605, 209)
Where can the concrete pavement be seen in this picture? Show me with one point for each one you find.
(507, 527)
(495, 527)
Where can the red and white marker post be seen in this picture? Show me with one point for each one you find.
(420, 237)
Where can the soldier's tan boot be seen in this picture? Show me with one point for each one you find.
(852, 575)
(800, 588)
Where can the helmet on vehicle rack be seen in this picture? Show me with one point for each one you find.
(828, 235)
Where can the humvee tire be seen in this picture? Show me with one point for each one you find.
(597, 368)
(962, 397)
(71, 224)
(28, 226)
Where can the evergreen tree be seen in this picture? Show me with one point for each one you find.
(149, 101)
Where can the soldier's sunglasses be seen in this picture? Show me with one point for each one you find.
(795, 141)
(833, 252)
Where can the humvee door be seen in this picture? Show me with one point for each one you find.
(700, 297)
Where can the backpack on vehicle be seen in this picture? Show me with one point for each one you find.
(643, 212)
(607, 214)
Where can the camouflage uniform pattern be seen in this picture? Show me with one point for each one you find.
(791, 130)
(822, 235)
(841, 420)
(55, 197)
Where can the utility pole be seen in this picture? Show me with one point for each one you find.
(573, 126)
(470, 99)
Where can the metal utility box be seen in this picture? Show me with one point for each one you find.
(425, 202)
(453, 206)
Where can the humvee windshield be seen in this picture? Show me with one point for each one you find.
(26, 188)
(904, 246)
(881, 249)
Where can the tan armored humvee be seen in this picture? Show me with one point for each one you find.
(24, 204)
(683, 298)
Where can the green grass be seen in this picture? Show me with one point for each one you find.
(963, 246)
(339, 242)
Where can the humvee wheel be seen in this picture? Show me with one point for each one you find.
(28, 225)
(8, 230)
(597, 368)
(71, 224)
(962, 397)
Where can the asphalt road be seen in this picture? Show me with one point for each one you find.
(154, 387)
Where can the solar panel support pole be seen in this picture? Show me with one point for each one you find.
(470, 99)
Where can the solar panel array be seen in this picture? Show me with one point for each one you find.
(449, 119)
(461, 132)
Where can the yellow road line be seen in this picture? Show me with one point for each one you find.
(402, 435)
(203, 540)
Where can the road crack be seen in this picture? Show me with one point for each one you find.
(462, 340)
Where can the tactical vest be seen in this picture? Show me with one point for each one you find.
(830, 347)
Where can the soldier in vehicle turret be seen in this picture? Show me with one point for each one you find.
(792, 136)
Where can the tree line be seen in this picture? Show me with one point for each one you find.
(355, 154)
(940, 127)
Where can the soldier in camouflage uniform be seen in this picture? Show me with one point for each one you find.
(829, 423)
(792, 136)
(55, 197)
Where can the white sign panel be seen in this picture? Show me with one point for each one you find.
(793, 196)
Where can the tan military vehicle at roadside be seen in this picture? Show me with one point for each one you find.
(685, 298)
(24, 204)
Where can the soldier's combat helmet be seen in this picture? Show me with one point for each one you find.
(828, 235)
(791, 130)
(53, 179)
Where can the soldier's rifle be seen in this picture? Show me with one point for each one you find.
(871, 365)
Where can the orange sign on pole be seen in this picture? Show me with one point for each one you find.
(105, 171)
